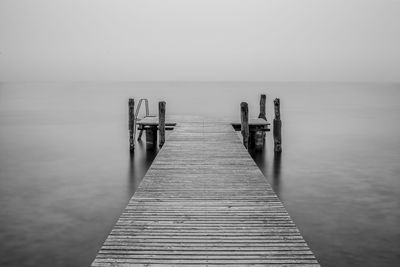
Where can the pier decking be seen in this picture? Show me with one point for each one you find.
(152, 121)
(204, 202)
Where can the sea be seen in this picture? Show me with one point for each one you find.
(66, 173)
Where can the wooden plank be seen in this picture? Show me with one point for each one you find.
(204, 202)
(254, 122)
(154, 121)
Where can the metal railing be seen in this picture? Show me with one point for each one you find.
(146, 102)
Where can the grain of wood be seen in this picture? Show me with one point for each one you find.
(204, 202)
(161, 123)
(132, 126)
(277, 127)
(262, 114)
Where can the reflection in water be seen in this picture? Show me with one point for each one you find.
(276, 172)
(59, 200)
(140, 161)
(261, 159)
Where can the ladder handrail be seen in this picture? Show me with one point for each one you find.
(146, 102)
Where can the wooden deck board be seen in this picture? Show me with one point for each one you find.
(204, 202)
(254, 121)
(255, 124)
(153, 121)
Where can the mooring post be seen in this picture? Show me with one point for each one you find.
(277, 126)
(131, 104)
(262, 107)
(151, 137)
(244, 111)
(161, 121)
(257, 138)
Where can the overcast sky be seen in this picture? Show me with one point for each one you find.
(299, 40)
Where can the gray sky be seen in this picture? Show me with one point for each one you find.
(299, 40)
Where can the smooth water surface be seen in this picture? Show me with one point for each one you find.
(66, 173)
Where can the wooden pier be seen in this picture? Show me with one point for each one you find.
(204, 202)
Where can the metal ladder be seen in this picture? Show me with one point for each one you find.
(146, 102)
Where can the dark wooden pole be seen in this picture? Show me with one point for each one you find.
(277, 126)
(131, 124)
(262, 107)
(161, 122)
(244, 111)
(151, 137)
(257, 138)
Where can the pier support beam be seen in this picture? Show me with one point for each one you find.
(244, 115)
(131, 105)
(197, 200)
(161, 121)
(277, 127)
(257, 138)
(151, 138)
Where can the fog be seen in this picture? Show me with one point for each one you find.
(223, 40)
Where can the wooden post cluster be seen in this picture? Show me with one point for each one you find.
(161, 121)
(131, 105)
(277, 126)
(244, 115)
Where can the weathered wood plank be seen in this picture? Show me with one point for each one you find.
(204, 202)
(154, 121)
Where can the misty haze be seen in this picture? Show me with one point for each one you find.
(74, 193)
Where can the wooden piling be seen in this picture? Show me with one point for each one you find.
(257, 138)
(161, 123)
(244, 111)
(262, 107)
(151, 137)
(277, 127)
(204, 202)
(131, 104)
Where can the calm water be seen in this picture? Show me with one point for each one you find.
(66, 173)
